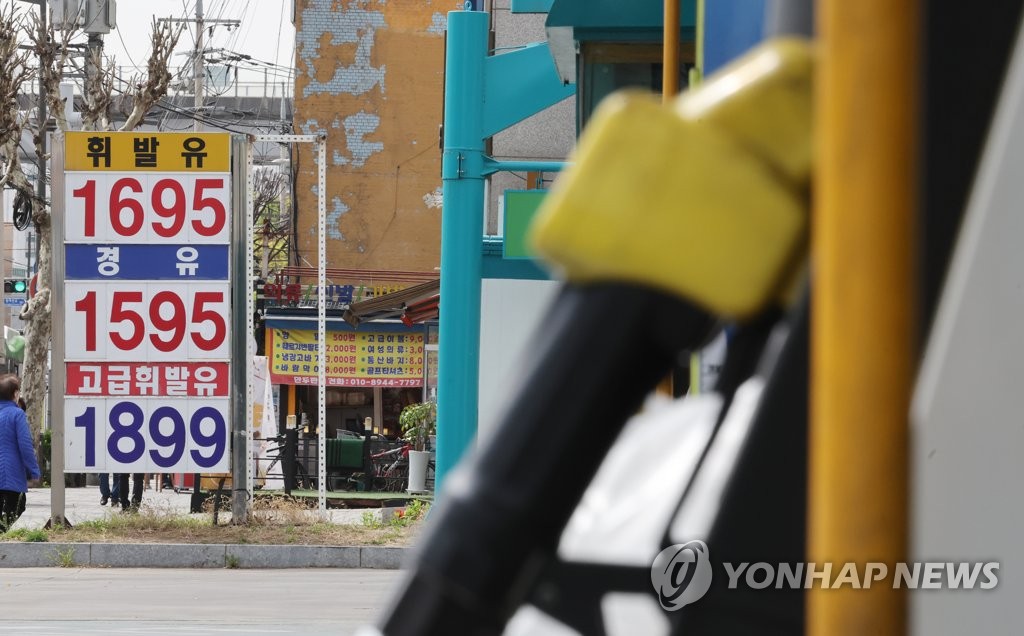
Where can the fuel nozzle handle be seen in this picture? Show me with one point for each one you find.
(604, 348)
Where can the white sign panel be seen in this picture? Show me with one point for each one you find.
(147, 311)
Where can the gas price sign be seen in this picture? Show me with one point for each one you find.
(147, 305)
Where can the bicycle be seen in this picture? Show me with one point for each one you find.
(276, 456)
(391, 469)
(393, 476)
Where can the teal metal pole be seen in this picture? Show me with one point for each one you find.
(462, 225)
(496, 165)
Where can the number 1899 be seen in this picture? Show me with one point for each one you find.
(147, 435)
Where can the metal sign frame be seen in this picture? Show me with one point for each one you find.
(321, 152)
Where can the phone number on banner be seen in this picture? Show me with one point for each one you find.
(335, 381)
(146, 435)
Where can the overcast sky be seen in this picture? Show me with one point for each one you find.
(266, 32)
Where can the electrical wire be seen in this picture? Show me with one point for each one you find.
(126, 48)
(195, 116)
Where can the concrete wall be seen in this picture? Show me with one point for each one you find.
(370, 73)
(510, 315)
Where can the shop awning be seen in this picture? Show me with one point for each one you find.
(411, 305)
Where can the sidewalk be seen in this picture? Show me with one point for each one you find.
(83, 504)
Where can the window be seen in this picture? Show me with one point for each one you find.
(606, 67)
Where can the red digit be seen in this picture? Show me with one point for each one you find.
(88, 306)
(119, 314)
(118, 205)
(175, 324)
(200, 202)
(200, 315)
(176, 211)
(88, 192)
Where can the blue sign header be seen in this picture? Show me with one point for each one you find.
(146, 262)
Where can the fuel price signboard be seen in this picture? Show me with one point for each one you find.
(147, 306)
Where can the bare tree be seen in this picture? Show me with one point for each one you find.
(272, 225)
(148, 89)
(14, 74)
(51, 48)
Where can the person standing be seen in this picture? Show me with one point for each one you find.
(17, 454)
(106, 492)
(136, 491)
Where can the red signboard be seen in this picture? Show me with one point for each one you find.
(171, 379)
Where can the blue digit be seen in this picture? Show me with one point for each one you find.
(176, 439)
(132, 430)
(218, 440)
(87, 421)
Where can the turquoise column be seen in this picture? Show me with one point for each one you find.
(462, 226)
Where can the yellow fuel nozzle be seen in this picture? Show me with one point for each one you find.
(705, 197)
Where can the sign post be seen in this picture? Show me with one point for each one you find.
(143, 289)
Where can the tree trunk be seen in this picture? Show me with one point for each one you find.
(38, 327)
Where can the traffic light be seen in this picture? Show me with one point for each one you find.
(15, 285)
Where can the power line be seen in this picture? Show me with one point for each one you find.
(126, 48)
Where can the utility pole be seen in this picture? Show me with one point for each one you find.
(285, 169)
(93, 56)
(41, 159)
(197, 64)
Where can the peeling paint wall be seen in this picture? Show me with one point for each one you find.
(370, 75)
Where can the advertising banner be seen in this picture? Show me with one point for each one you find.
(380, 358)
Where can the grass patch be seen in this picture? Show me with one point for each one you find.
(65, 558)
(275, 521)
(24, 534)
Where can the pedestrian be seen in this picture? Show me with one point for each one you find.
(108, 493)
(163, 480)
(17, 454)
(136, 491)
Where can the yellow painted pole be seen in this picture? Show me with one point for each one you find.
(670, 57)
(669, 89)
(696, 76)
(862, 313)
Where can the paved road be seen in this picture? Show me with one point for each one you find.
(169, 602)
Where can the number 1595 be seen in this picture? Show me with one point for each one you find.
(147, 322)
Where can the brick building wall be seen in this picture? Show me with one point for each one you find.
(370, 73)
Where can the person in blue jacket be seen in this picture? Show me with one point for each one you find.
(17, 453)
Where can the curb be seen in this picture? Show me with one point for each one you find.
(186, 555)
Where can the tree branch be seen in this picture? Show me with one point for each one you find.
(149, 90)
